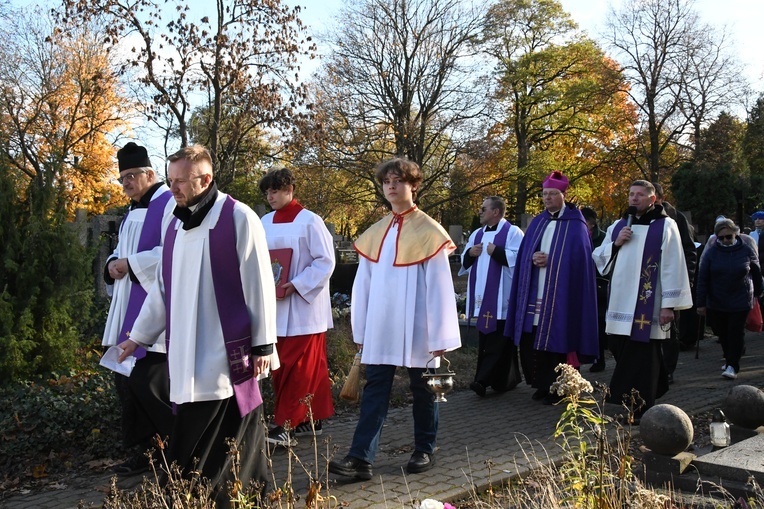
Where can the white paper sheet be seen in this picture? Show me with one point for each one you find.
(109, 360)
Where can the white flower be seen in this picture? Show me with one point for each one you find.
(429, 503)
(569, 381)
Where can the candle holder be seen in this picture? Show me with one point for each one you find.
(719, 429)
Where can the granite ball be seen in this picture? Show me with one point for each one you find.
(666, 429)
(744, 406)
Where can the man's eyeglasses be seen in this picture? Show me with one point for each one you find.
(130, 176)
(726, 237)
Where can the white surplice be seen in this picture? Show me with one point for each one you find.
(673, 285)
(197, 359)
(312, 264)
(400, 314)
(143, 264)
(480, 273)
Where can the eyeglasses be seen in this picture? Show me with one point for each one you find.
(726, 237)
(130, 176)
(550, 193)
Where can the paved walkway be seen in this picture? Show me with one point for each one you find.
(481, 441)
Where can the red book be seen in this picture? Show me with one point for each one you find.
(281, 260)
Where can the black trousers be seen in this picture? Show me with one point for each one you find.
(538, 365)
(145, 401)
(730, 327)
(497, 357)
(200, 433)
(638, 366)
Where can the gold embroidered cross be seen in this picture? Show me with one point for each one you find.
(487, 317)
(642, 322)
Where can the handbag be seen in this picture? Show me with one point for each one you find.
(754, 321)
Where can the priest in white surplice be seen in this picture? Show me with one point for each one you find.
(403, 313)
(216, 294)
(303, 309)
(643, 253)
(489, 258)
(129, 273)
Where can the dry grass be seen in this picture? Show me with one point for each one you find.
(596, 472)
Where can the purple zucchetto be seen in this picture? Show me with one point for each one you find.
(556, 180)
(759, 214)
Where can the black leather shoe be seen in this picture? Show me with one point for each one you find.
(478, 388)
(351, 467)
(420, 462)
(597, 367)
(539, 394)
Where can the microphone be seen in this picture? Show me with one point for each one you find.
(631, 211)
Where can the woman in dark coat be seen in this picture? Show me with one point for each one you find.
(728, 281)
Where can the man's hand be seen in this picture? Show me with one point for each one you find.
(539, 259)
(701, 311)
(118, 268)
(129, 348)
(623, 237)
(289, 289)
(262, 363)
(666, 316)
(490, 248)
(476, 250)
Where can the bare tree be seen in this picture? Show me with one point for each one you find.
(238, 66)
(713, 81)
(400, 80)
(678, 74)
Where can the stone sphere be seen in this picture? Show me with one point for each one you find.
(666, 429)
(744, 406)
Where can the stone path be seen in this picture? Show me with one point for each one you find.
(481, 441)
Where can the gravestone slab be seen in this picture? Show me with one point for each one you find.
(737, 462)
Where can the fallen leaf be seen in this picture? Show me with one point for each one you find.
(100, 464)
(38, 472)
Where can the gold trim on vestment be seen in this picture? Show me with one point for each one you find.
(419, 238)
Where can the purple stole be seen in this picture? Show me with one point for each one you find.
(232, 309)
(648, 279)
(486, 322)
(151, 236)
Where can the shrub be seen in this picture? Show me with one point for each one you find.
(46, 273)
(51, 423)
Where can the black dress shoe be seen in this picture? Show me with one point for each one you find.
(478, 388)
(539, 394)
(551, 399)
(351, 467)
(597, 367)
(420, 462)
